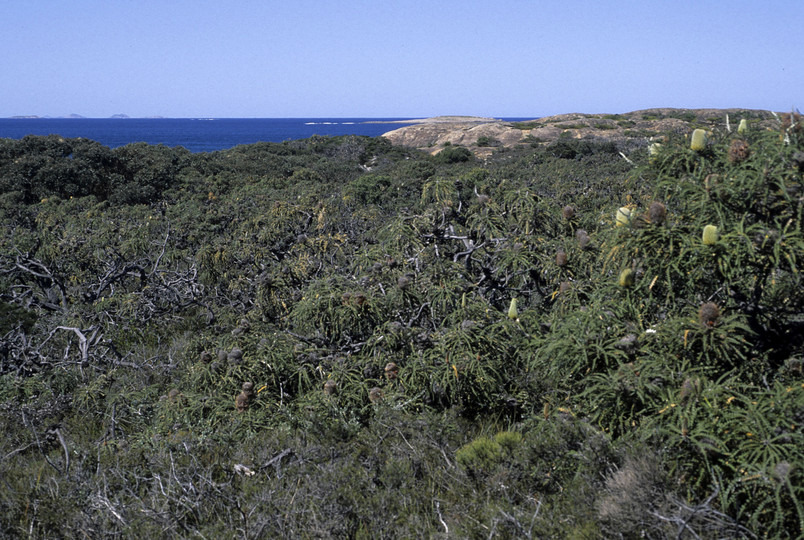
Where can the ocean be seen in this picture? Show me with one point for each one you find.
(195, 134)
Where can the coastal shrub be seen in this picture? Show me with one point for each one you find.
(392, 394)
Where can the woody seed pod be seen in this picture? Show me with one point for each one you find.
(657, 213)
(375, 395)
(329, 387)
(561, 259)
(739, 151)
(391, 371)
(708, 314)
(568, 212)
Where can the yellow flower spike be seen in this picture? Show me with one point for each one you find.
(623, 216)
(698, 142)
(627, 278)
(710, 235)
(513, 313)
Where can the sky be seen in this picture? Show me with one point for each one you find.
(396, 58)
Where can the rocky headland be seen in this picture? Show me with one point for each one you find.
(483, 135)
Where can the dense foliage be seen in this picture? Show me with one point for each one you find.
(337, 337)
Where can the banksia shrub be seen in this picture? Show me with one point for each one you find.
(657, 213)
(710, 235)
(708, 314)
(698, 142)
(739, 151)
(626, 278)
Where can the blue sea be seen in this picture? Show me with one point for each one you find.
(195, 134)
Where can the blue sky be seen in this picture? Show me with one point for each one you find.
(397, 58)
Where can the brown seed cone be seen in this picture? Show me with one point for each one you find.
(242, 401)
(391, 371)
(561, 259)
(330, 387)
(583, 238)
(689, 389)
(375, 395)
(568, 212)
(657, 213)
(708, 314)
(739, 151)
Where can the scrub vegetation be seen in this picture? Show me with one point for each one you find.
(337, 337)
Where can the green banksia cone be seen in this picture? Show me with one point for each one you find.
(708, 314)
(512, 311)
(623, 216)
(698, 140)
(626, 278)
(657, 213)
(739, 151)
(568, 212)
(743, 127)
(710, 235)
